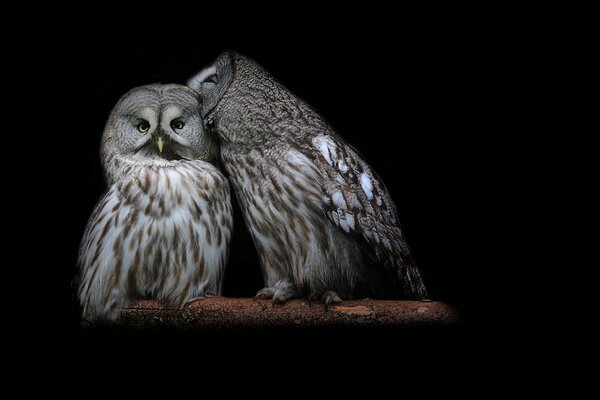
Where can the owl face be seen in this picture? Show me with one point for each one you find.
(157, 122)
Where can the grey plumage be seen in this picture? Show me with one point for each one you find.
(121, 137)
(322, 220)
(162, 229)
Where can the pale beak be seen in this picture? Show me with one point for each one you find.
(160, 143)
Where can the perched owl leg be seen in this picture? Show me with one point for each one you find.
(312, 296)
(265, 293)
(330, 297)
(281, 292)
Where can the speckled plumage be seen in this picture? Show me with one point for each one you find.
(321, 219)
(162, 229)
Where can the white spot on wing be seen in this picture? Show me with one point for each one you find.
(326, 147)
(344, 225)
(342, 166)
(376, 237)
(335, 217)
(366, 184)
(338, 200)
(386, 243)
(350, 220)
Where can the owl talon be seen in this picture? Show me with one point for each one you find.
(277, 300)
(265, 293)
(329, 298)
(188, 303)
(281, 297)
(310, 298)
(195, 299)
(283, 293)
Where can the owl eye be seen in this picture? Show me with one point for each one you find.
(143, 126)
(177, 124)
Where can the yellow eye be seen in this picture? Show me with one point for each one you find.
(177, 124)
(143, 126)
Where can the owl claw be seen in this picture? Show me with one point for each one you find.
(329, 298)
(265, 293)
(279, 293)
(276, 301)
(281, 296)
(310, 298)
(195, 299)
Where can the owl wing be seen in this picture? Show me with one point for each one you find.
(357, 201)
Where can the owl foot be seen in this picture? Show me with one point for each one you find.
(265, 293)
(330, 297)
(310, 298)
(280, 293)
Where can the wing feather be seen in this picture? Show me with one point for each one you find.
(357, 201)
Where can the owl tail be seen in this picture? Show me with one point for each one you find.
(411, 279)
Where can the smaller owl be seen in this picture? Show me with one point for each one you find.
(162, 229)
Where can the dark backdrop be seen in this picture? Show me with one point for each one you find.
(409, 100)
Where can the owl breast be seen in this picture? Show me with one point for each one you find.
(159, 232)
(282, 202)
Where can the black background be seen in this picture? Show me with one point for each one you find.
(409, 95)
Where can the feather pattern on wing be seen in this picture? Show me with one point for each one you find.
(357, 201)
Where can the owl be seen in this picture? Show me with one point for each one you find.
(162, 229)
(322, 220)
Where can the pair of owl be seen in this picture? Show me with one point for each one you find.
(322, 221)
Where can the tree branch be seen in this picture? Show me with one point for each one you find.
(221, 313)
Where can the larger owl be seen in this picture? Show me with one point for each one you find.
(322, 220)
(162, 229)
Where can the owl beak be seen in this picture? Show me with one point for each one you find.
(160, 143)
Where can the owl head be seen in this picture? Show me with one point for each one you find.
(244, 104)
(212, 82)
(157, 122)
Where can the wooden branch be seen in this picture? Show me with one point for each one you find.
(221, 313)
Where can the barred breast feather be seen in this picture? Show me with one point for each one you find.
(162, 231)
